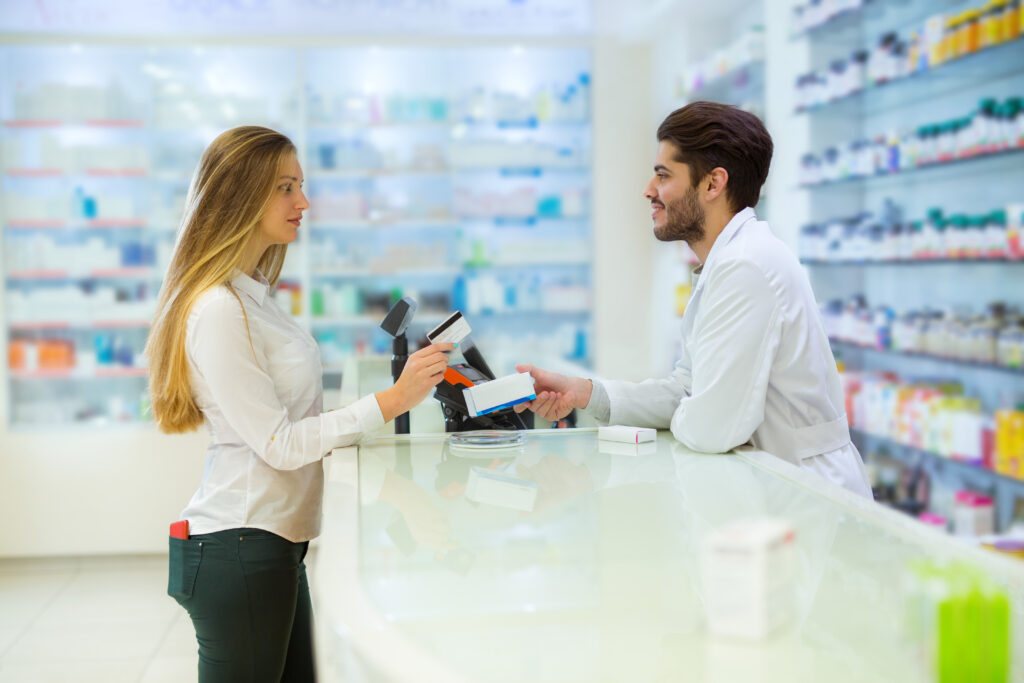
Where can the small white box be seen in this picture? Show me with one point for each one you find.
(499, 393)
(626, 434)
(748, 570)
(502, 490)
(620, 448)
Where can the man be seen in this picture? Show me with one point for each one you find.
(756, 365)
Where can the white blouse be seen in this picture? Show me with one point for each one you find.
(262, 403)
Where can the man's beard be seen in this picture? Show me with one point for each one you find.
(684, 220)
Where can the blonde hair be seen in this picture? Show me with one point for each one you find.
(229, 193)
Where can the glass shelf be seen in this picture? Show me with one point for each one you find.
(1001, 60)
(741, 83)
(910, 262)
(955, 163)
(912, 454)
(77, 374)
(930, 357)
(88, 123)
(42, 325)
(842, 21)
(103, 274)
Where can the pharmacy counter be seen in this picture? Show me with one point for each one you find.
(578, 561)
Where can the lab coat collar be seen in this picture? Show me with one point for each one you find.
(728, 232)
(256, 289)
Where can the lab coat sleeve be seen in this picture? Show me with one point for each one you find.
(736, 336)
(219, 346)
(650, 403)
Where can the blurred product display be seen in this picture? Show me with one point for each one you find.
(995, 337)
(886, 236)
(994, 127)
(913, 244)
(461, 175)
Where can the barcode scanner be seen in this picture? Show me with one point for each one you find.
(395, 323)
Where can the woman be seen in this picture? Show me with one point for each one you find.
(222, 352)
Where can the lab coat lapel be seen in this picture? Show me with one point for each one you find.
(730, 230)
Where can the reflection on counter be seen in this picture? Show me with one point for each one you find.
(581, 565)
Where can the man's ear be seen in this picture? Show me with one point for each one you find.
(715, 183)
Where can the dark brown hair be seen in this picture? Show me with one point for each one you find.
(708, 135)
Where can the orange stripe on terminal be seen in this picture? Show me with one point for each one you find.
(454, 377)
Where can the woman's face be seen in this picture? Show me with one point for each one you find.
(280, 222)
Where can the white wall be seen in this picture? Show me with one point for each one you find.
(622, 225)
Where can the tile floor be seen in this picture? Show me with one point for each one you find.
(94, 619)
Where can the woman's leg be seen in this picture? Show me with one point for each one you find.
(298, 667)
(243, 604)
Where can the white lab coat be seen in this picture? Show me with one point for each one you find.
(756, 365)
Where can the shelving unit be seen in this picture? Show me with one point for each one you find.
(100, 168)
(881, 263)
(961, 185)
(944, 360)
(1005, 490)
(724, 60)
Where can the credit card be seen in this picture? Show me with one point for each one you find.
(454, 329)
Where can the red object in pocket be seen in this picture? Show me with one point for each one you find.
(180, 529)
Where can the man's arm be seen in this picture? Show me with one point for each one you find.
(736, 336)
(650, 403)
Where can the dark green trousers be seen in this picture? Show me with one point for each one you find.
(247, 595)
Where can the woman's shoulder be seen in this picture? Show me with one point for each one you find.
(216, 303)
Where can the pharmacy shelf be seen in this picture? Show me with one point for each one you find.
(358, 173)
(913, 455)
(42, 325)
(362, 225)
(87, 123)
(560, 263)
(432, 318)
(361, 321)
(744, 78)
(434, 271)
(841, 21)
(143, 273)
(505, 170)
(88, 172)
(530, 122)
(910, 262)
(443, 271)
(1005, 56)
(958, 162)
(929, 356)
(76, 374)
(94, 224)
(342, 123)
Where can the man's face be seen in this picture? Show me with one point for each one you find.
(676, 210)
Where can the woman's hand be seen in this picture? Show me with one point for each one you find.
(423, 371)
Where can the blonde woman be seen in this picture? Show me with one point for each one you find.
(222, 353)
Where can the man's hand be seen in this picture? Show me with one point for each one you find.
(557, 395)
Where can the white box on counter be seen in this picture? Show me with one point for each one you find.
(748, 572)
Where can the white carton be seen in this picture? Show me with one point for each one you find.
(499, 393)
(748, 570)
(626, 434)
(502, 490)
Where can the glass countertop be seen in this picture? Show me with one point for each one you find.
(569, 559)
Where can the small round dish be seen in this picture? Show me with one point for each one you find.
(487, 439)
